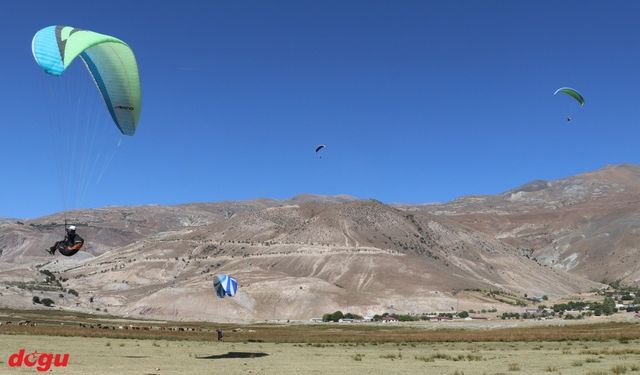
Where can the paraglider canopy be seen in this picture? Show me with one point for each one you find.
(571, 92)
(225, 285)
(319, 147)
(110, 61)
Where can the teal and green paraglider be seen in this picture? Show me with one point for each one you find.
(571, 92)
(77, 118)
(110, 61)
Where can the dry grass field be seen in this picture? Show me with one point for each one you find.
(92, 355)
(596, 349)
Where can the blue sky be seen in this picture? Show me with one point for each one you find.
(417, 101)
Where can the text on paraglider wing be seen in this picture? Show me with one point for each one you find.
(124, 107)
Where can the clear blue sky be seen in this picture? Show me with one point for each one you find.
(417, 101)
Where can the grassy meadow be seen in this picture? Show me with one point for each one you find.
(596, 349)
(93, 355)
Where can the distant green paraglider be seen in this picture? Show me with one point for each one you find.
(571, 92)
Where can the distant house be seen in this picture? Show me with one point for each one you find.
(536, 298)
(344, 320)
(631, 306)
(389, 319)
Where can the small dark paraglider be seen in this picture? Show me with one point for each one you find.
(318, 148)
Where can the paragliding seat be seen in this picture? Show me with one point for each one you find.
(68, 249)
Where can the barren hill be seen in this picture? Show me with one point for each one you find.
(295, 259)
(302, 257)
(588, 225)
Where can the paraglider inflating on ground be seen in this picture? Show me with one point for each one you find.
(225, 285)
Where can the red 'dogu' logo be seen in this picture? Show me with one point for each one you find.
(43, 361)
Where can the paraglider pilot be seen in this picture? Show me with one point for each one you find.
(71, 244)
(220, 334)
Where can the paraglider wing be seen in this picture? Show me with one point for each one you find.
(217, 285)
(319, 147)
(225, 285)
(110, 61)
(571, 92)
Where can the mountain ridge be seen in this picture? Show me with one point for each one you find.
(300, 257)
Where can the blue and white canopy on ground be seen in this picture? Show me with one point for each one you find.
(225, 285)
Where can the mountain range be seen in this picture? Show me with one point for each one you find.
(309, 255)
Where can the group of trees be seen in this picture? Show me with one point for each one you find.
(336, 316)
(607, 307)
(44, 301)
(510, 315)
(414, 318)
(571, 305)
(52, 284)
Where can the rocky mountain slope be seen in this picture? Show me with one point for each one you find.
(588, 225)
(302, 257)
